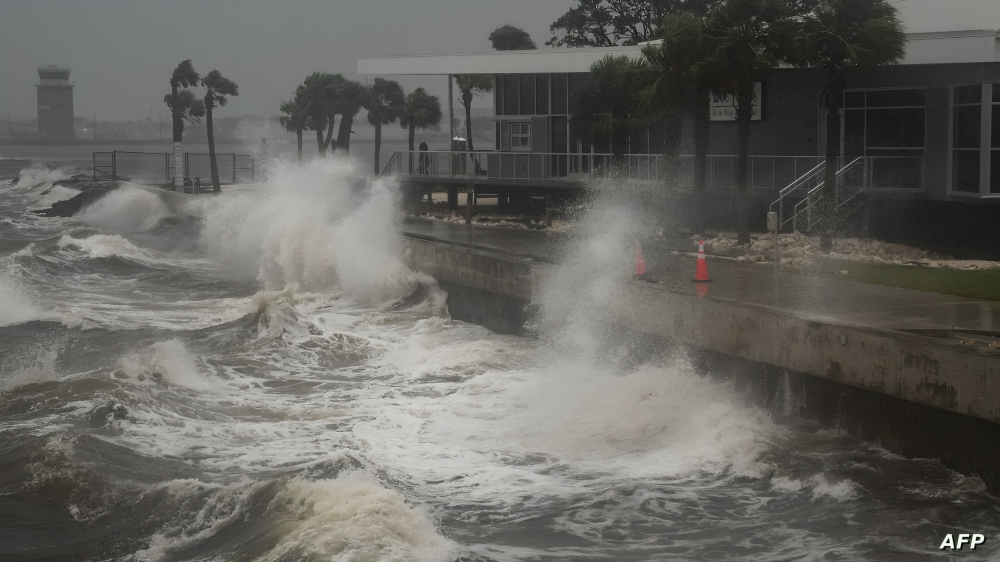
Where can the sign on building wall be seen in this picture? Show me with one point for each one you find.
(724, 106)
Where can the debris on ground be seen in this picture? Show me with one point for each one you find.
(496, 219)
(799, 249)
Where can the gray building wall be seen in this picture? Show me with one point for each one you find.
(55, 112)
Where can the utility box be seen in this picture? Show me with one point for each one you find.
(772, 222)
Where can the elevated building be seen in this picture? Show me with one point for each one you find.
(55, 104)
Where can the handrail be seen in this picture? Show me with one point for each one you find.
(809, 200)
(798, 182)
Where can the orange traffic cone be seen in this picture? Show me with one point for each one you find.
(640, 260)
(701, 270)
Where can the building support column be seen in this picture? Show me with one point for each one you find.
(451, 111)
(452, 196)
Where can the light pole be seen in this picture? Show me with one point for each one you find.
(95, 125)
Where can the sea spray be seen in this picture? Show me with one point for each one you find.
(125, 210)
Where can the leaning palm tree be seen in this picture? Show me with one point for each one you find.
(384, 100)
(347, 98)
(472, 85)
(184, 106)
(316, 90)
(184, 76)
(420, 110)
(846, 38)
(295, 119)
(612, 100)
(686, 75)
(747, 38)
(218, 90)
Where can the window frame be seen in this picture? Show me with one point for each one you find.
(985, 150)
(524, 133)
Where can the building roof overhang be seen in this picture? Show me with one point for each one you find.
(942, 47)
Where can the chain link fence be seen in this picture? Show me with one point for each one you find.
(158, 167)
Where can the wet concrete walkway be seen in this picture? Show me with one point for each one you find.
(819, 298)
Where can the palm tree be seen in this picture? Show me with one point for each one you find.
(316, 90)
(184, 76)
(218, 90)
(846, 38)
(186, 108)
(347, 100)
(295, 118)
(613, 99)
(384, 100)
(472, 85)
(686, 74)
(420, 110)
(748, 37)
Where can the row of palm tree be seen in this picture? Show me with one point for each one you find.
(323, 97)
(726, 51)
(186, 106)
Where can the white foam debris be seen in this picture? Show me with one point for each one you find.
(800, 249)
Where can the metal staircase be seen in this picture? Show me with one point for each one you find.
(853, 182)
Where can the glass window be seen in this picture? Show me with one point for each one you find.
(996, 93)
(575, 81)
(996, 126)
(854, 99)
(895, 128)
(498, 95)
(520, 136)
(527, 94)
(967, 126)
(510, 87)
(559, 93)
(895, 98)
(968, 94)
(965, 172)
(995, 172)
(560, 141)
(542, 94)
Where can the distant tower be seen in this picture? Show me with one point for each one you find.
(55, 104)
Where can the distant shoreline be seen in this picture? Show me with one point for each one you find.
(98, 142)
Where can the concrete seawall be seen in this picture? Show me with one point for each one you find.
(913, 394)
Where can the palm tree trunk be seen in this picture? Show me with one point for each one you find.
(298, 139)
(828, 201)
(744, 113)
(702, 124)
(468, 122)
(178, 126)
(329, 133)
(211, 148)
(319, 141)
(412, 137)
(344, 134)
(378, 145)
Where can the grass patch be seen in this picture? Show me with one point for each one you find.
(981, 284)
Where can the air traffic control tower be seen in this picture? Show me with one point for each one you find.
(55, 104)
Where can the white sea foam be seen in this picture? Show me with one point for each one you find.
(16, 307)
(106, 245)
(51, 196)
(169, 361)
(124, 210)
(316, 226)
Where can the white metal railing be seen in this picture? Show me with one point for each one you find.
(522, 166)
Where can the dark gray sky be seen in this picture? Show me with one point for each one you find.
(122, 51)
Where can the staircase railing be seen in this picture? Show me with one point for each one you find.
(804, 208)
(778, 204)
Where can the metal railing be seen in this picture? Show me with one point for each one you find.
(523, 166)
(857, 177)
(157, 167)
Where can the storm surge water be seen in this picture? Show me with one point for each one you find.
(271, 382)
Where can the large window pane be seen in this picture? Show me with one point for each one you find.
(895, 98)
(510, 87)
(967, 126)
(527, 94)
(965, 170)
(575, 81)
(854, 132)
(559, 93)
(969, 94)
(560, 142)
(996, 93)
(854, 99)
(895, 128)
(498, 95)
(995, 172)
(542, 94)
(996, 124)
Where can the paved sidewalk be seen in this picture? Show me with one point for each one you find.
(819, 298)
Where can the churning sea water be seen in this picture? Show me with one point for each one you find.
(273, 383)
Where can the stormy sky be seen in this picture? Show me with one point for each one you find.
(122, 51)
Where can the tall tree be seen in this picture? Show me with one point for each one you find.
(318, 103)
(347, 98)
(606, 23)
(510, 38)
(384, 100)
(421, 110)
(295, 118)
(686, 74)
(846, 38)
(472, 85)
(218, 90)
(184, 76)
(748, 38)
(612, 100)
